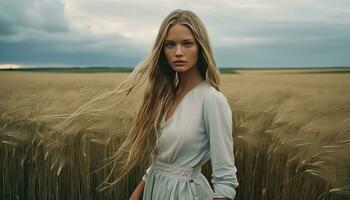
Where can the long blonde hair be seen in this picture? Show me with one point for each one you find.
(161, 82)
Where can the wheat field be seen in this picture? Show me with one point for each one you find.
(291, 135)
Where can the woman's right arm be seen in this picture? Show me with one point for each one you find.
(138, 192)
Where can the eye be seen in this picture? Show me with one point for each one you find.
(188, 44)
(168, 45)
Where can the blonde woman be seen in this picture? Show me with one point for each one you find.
(182, 122)
(193, 118)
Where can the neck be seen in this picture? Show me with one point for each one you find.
(189, 79)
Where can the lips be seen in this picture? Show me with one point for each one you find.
(179, 61)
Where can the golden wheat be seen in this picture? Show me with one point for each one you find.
(291, 135)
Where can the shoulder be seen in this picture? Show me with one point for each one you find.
(216, 107)
(214, 97)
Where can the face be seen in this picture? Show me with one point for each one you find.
(180, 44)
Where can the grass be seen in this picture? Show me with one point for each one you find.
(319, 72)
(329, 72)
(73, 69)
(291, 136)
(90, 70)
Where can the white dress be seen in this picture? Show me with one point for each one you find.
(199, 129)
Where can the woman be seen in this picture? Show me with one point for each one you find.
(183, 120)
(197, 123)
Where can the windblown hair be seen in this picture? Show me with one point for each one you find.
(142, 140)
(161, 83)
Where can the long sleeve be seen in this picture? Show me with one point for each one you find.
(144, 177)
(218, 123)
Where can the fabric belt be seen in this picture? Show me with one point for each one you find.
(175, 170)
(166, 168)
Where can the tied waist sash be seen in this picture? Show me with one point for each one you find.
(165, 168)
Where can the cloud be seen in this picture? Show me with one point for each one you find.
(38, 33)
(115, 32)
(45, 15)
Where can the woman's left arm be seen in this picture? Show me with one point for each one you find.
(218, 122)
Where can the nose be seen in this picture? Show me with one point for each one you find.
(178, 51)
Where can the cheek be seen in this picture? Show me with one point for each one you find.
(193, 53)
(167, 54)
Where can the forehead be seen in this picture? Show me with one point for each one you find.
(179, 32)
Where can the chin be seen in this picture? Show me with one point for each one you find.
(180, 68)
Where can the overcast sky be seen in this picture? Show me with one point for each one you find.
(243, 33)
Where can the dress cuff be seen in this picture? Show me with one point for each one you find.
(144, 177)
(224, 191)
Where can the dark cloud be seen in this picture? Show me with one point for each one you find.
(37, 33)
(45, 15)
(6, 28)
(254, 33)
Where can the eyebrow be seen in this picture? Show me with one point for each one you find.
(182, 40)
